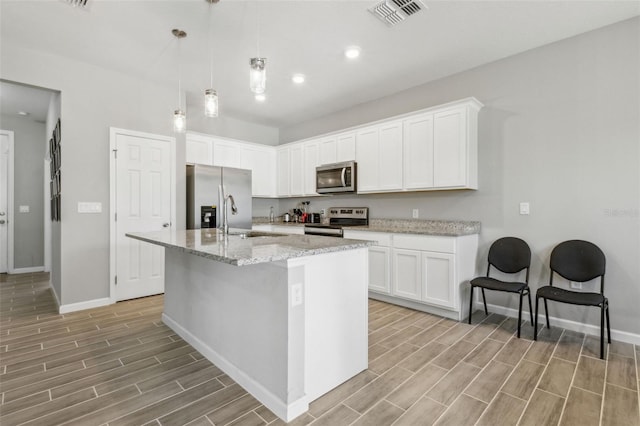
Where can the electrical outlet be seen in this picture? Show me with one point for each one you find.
(524, 208)
(415, 213)
(575, 285)
(296, 294)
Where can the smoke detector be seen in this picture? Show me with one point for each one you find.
(392, 12)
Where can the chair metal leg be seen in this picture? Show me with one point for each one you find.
(535, 321)
(530, 308)
(602, 331)
(470, 304)
(520, 314)
(546, 313)
(484, 300)
(608, 324)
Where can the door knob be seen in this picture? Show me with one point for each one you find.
(1, 213)
(166, 225)
(2, 222)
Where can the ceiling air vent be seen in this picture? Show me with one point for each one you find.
(392, 12)
(77, 3)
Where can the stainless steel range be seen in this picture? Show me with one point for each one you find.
(339, 217)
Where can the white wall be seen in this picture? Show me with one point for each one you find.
(29, 137)
(561, 130)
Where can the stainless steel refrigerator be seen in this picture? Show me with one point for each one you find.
(204, 196)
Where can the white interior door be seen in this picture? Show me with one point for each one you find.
(144, 199)
(6, 145)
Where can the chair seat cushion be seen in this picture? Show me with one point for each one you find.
(495, 284)
(568, 296)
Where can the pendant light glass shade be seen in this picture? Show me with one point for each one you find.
(179, 121)
(210, 103)
(258, 75)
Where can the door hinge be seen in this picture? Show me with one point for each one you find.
(115, 153)
(116, 278)
(115, 217)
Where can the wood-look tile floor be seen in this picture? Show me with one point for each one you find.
(119, 365)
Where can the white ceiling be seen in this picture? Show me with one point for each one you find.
(303, 36)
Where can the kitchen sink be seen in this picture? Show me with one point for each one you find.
(256, 234)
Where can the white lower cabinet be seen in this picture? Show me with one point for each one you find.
(424, 272)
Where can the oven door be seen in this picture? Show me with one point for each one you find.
(325, 231)
(335, 178)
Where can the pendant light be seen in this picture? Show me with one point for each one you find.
(211, 95)
(179, 117)
(258, 75)
(257, 67)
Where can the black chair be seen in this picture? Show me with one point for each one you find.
(577, 261)
(509, 255)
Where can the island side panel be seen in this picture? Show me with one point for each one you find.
(240, 319)
(336, 318)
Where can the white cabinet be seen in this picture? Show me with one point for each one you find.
(441, 148)
(407, 273)
(199, 149)
(379, 259)
(296, 165)
(328, 151)
(311, 161)
(338, 148)
(227, 154)
(423, 272)
(346, 147)
(262, 163)
(379, 157)
(418, 152)
(438, 279)
(282, 171)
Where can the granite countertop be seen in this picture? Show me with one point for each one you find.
(238, 250)
(450, 228)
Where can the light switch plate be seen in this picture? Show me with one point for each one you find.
(24, 209)
(524, 208)
(89, 207)
(416, 213)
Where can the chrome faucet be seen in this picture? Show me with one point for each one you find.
(234, 210)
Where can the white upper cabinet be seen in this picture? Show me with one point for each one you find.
(262, 162)
(227, 153)
(199, 149)
(311, 161)
(441, 148)
(368, 158)
(282, 171)
(346, 147)
(418, 152)
(379, 157)
(296, 166)
(328, 148)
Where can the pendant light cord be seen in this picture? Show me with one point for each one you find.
(211, 43)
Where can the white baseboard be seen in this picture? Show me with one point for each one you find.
(286, 412)
(622, 336)
(80, 306)
(27, 270)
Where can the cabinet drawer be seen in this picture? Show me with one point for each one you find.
(425, 243)
(381, 239)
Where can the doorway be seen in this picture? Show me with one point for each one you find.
(6, 201)
(142, 200)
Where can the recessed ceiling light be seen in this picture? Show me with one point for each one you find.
(352, 52)
(261, 97)
(23, 113)
(298, 78)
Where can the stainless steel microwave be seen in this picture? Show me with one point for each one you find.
(336, 178)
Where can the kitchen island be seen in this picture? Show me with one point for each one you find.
(285, 316)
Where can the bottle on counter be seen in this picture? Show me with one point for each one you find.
(271, 215)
